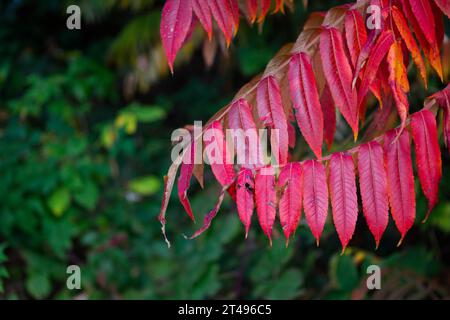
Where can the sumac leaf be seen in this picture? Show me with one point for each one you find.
(373, 187)
(329, 116)
(221, 11)
(338, 74)
(265, 196)
(410, 43)
(240, 120)
(203, 13)
(376, 56)
(290, 181)
(424, 16)
(305, 97)
(245, 197)
(428, 155)
(315, 196)
(216, 148)
(343, 196)
(355, 33)
(271, 114)
(444, 5)
(397, 152)
(265, 6)
(175, 24)
(398, 81)
(187, 168)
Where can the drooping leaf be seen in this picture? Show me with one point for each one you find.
(265, 6)
(221, 164)
(234, 10)
(329, 116)
(271, 114)
(398, 81)
(187, 168)
(338, 74)
(252, 9)
(343, 196)
(290, 181)
(210, 215)
(279, 6)
(315, 196)
(443, 100)
(265, 195)
(203, 13)
(304, 94)
(376, 56)
(169, 180)
(240, 119)
(245, 197)
(373, 186)
(424, 16)
(175, 24)
(431, 50)
(223, 14)
(292, 135)
(444, 5)
(428, 155)
(355, 33)
(411, 44)
(397, 152)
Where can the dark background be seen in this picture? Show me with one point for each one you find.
(85, 124)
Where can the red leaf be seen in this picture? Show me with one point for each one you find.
(443, 100)
(292, 135)
(234, 10)
(187, 168)
(431, 51)
(175, 24)
(398, 81)
(315, 196)
(265, 6)
(247, 146)
(373, 186)
(338, 74)
(245, 194)
(400, 180)
(343, 196)
(221, 11)
(252, 9)
(271, 114)
(377, 53)
(215, 146)
(355, 33)
(411, 44)
(305, 97)
(203, 13)
(210, 216)
(290, 181)
(266, 199)
(329, 116)
(424, 16)
(428, 155)
(279, 6)
(444, 5)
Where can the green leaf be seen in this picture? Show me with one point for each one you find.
(146, 186)
(343, 272)
(287, 286)
(87, 196)
(38, 285)
(59, 201)
(146, 114)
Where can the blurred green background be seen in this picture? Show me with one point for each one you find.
(85, 124)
